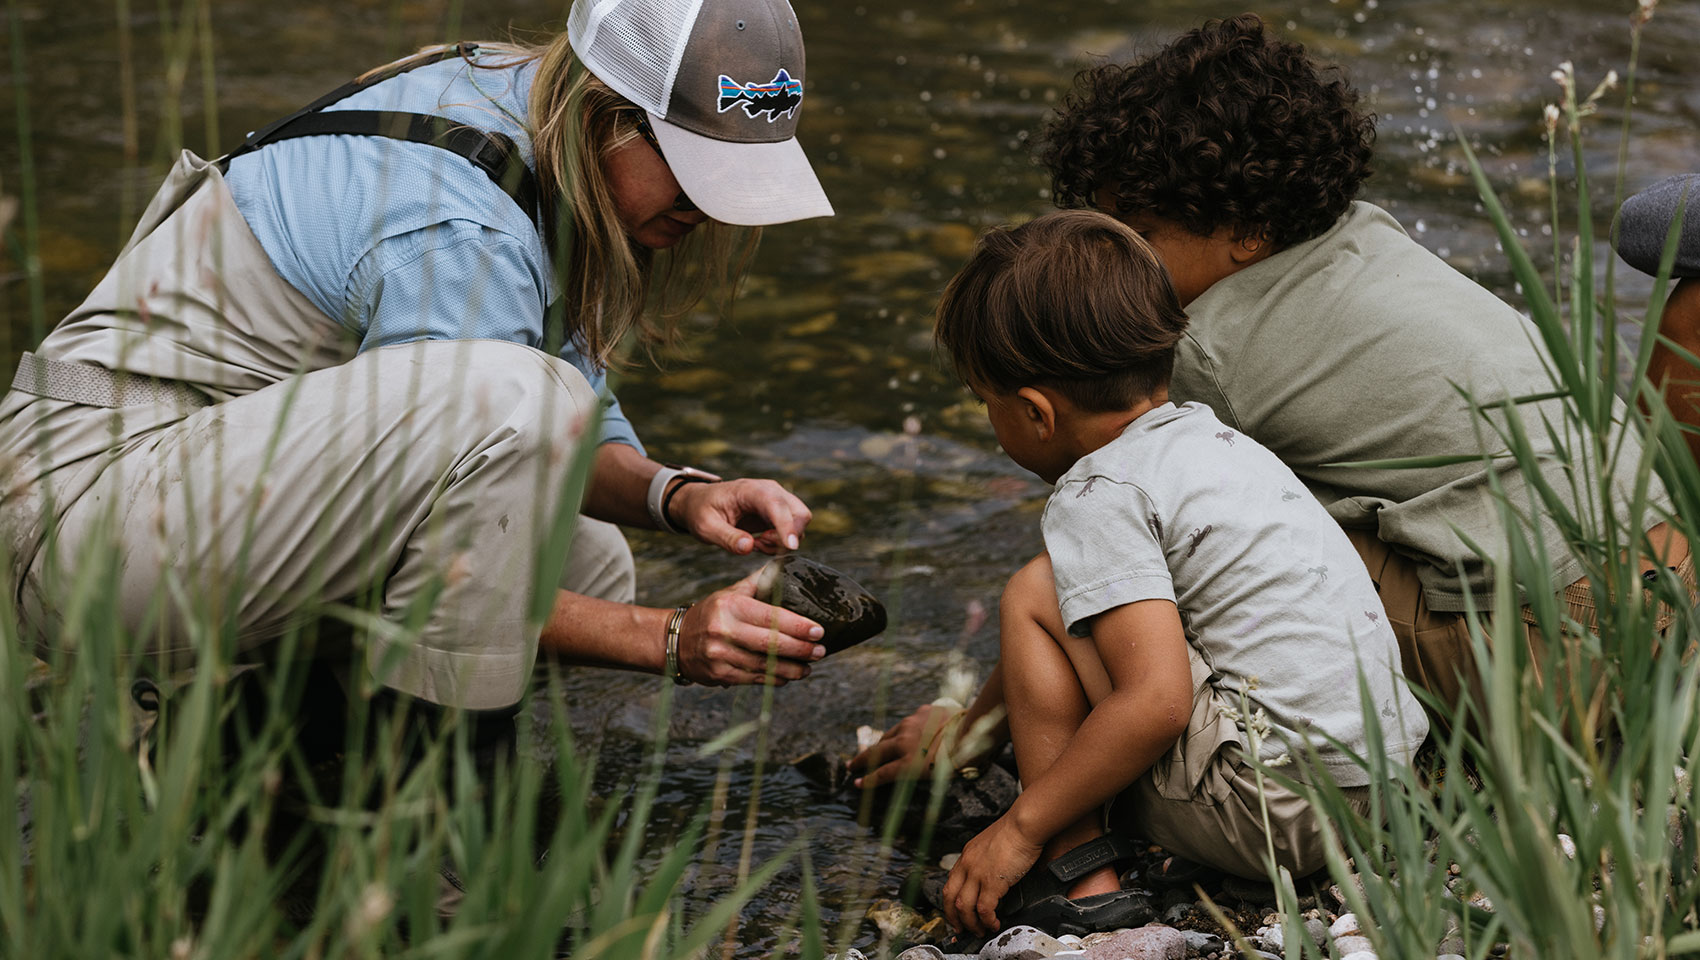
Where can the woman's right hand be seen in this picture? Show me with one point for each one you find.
(725, 638)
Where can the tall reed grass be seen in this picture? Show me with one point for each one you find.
(165, 845)
(1612, 765)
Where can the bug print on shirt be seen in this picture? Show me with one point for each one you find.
(1156, 525)
(1321, 573)
(1226, 435)
(1288, 494)
(1197, 537)
(1086, 487)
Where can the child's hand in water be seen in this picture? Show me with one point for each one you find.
(907, 749)
(990, 864)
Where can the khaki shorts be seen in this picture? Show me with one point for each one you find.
(1201, 800)
(1435, 645)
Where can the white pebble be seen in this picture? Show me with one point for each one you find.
(866, 737)
(949, 860)
(1567, 845)
(1346, 926)
(1361, 955)
(1351, 944)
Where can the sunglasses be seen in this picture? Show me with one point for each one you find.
(681, 203)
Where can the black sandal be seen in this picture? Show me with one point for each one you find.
(1039, 898)
(1181, 873)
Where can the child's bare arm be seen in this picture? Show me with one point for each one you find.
(1143, 650)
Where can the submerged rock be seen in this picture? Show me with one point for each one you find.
(843, 607)
(830, 771)
(905, 924)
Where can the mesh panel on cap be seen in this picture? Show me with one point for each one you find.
(633, 46)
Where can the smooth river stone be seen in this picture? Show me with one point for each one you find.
(847, 611)
(1153, 942)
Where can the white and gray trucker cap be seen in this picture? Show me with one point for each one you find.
(722, 83)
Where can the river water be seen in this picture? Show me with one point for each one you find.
(919, 121)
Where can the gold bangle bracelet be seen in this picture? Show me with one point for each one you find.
(671, 667)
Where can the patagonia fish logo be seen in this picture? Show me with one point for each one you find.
(781, 95)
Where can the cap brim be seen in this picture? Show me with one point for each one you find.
(747, 184)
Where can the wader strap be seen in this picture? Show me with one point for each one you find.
(489, 151)
(94, 386)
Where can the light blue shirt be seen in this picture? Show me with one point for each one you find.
(404, 241)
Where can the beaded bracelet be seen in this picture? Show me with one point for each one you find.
(671, 666)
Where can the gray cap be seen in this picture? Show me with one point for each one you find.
(1646, 218)
(722, 84)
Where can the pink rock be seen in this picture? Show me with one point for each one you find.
(1154, 942)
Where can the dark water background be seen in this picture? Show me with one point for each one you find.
(919, 121)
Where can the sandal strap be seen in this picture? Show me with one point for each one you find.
(1091, 855)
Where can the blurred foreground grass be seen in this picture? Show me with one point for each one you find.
(195, 851)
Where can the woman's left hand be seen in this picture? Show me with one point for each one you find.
(741, 515)
(990, 864)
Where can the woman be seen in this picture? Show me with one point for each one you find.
(314, 373)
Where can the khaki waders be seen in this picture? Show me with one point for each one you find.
(202, 425)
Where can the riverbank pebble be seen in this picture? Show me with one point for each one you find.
(1353, 944)
(1153, 942)
(1201, 944)
(1021, 943)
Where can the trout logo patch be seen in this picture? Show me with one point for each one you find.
(779, 96)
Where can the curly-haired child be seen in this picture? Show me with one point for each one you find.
(1187, 581)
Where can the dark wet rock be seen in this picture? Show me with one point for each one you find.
(847, 611)
(824, 769)
(1021, 943)
(972, 805)
(1154, 942)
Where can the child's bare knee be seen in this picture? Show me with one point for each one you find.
(1031, 586)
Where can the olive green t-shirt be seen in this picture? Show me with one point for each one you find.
(1346, 348)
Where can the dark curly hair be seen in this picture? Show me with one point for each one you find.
(1224, 127)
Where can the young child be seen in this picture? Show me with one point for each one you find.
(1187, 573)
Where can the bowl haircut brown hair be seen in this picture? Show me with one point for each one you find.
(1075, 301)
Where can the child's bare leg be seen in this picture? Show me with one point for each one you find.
(1051, 681)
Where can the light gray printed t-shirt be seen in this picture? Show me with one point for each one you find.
(1180, 507)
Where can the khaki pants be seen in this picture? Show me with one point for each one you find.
(1201, 801)
(421, 474)
(1435, 646)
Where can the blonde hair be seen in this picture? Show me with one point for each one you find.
(604, 278)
